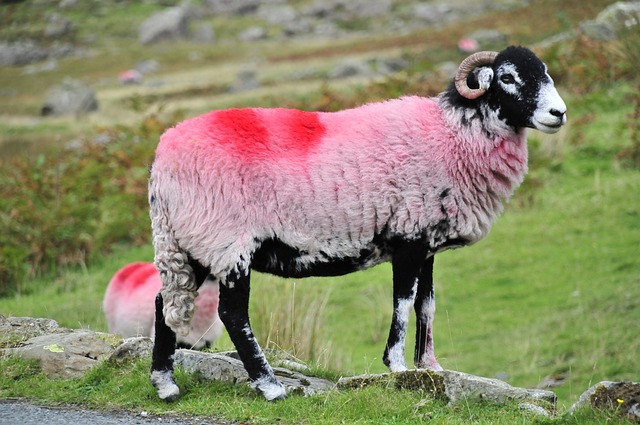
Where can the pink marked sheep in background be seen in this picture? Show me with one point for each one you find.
(300, 194)
(129, 306)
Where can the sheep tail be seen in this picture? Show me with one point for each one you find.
(179, 288)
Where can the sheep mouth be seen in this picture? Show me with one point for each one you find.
(548, 127)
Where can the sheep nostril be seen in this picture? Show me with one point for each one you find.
(556, 113)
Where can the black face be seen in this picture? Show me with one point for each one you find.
(520, 94)
(518, 78)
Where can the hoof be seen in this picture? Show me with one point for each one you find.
(270, 389)
(165, 385)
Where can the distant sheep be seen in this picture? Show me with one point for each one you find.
(129, 306)
(301, 194)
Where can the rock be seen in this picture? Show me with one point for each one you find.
(350, 68)
(553, 380)
(67, 355)
(132, 348)
(232, 7)
(18, 329)
(368, 8)
(245, 80)
(227, 368)
(620, 397)
(460, 386)
(278, 15)
(453, 386)
(254, 33)
(147, 66)
(21, 53)
(213, 366)
(169, 24)
(204, 33)
(70, 97)
(488, 38)
(616, 18)
(57, 26)
(67, 4)
(387, 66)
(431, 13)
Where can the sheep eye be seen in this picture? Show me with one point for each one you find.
(508, 79)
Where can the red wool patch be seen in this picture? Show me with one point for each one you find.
(134, 274)
(242, 129)
(267, 132)
(301, 131)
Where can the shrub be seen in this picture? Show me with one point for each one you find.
(64, 208)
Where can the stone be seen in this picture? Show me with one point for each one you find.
(620, 397)
(232, 7)
(203, 33)
(253, 33)
(57, 26)
(278, 15)
(350, 68)
(227, 368)
(132, 348)
(72, 97)
(21, 53)
(613, 20)
(67, 355)
(454, 387)
(18, 329)
(169, 24)
(246, 79)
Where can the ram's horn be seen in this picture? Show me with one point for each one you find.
(468, 65)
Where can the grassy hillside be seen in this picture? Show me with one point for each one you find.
(554, 289)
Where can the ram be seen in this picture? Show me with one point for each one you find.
(301, 194)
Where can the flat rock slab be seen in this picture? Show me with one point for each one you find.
(452, 386)
(67, 355)
(224, 367)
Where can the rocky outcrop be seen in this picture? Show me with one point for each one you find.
(71, 97)
(614, 20)
(169, 24)
(623, 398)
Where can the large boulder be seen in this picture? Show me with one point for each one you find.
(72, 97)
(169, 24)
(612, 21)
(67, 355)
(21, 53)
(620, 397)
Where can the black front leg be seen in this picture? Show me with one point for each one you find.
(234, 313)
(407, 260)
(162, 358)
(425, 307)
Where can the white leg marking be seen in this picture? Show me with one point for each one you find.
(269, 389)
(165, 385)
(397, 362)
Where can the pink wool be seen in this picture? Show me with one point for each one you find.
(313, 180)
(129, 306)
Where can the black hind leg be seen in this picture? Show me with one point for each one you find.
(162, 359)
(234, 313)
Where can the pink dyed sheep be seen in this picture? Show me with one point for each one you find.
(298, 194)
(129, 306)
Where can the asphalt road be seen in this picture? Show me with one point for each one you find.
(24, 413)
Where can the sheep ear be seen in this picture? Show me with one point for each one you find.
(485, 76)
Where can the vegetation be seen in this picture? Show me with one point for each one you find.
(553, 291)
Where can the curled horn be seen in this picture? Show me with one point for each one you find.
(467, 65)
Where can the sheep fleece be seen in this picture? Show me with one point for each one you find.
(328, 182)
